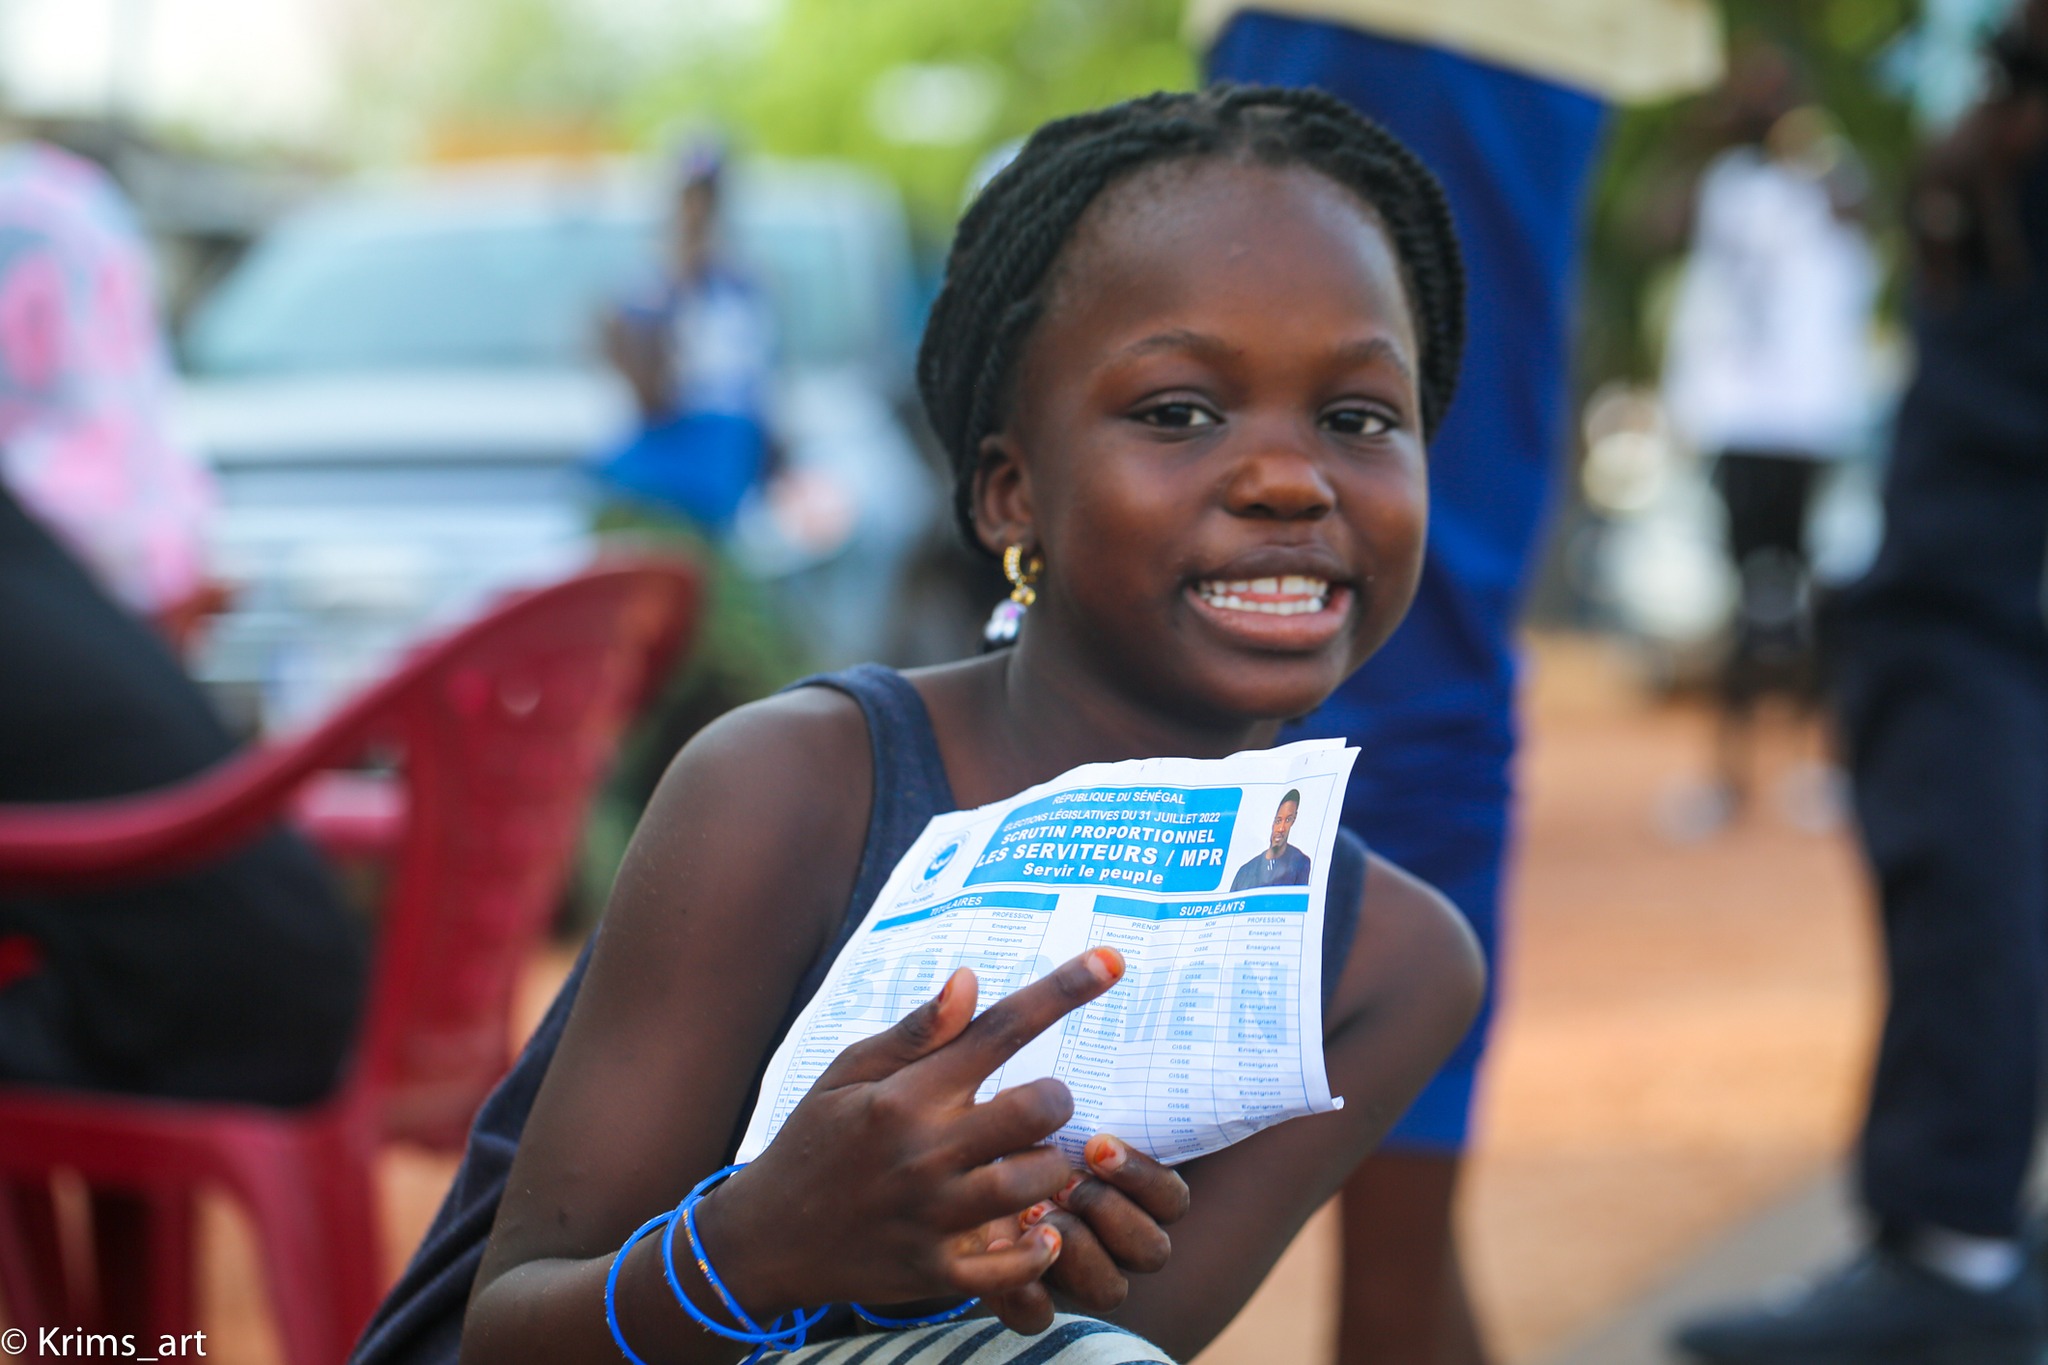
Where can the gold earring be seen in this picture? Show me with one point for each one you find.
(1023, 577)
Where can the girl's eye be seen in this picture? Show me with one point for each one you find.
(1178, 416)
(1359, 422)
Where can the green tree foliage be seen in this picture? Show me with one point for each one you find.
(921, 89)
(1642, 204)
(416, 72)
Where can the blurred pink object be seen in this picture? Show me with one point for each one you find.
(502, 732)
(85, 384)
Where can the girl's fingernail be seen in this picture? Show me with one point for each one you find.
(1037, 1212)
(1105, 964)
(1049, 1237)
(1000, 1244)
(946, 991)
(1074, 1183)
(1105, 1153)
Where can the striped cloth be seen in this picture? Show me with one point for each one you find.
(978, 1341)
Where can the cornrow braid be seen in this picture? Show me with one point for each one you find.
(1001, 266)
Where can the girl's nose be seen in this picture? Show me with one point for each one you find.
(1279, 478)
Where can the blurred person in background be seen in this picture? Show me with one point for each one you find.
(85, 438)
(698, 349)
(1939, 657)
(1767, 371)
(1505, 101)
(240, 981)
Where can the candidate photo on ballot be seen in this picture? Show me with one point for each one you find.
(1279, 863)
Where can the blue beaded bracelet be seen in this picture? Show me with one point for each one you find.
(782, 1338)
(777, 1336)
(959, 1310)
(688, 1210)
(611, 1284)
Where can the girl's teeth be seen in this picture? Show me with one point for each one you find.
(1297, 607)
(1293, 595)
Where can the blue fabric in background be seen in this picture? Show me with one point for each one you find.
(700, 464)
(1433, 712)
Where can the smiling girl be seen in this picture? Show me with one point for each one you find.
(1185, 361)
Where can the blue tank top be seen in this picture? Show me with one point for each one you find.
(420, 1321)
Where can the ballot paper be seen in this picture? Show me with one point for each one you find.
(1208, 875)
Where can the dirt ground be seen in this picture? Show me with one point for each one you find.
(1682, 1037)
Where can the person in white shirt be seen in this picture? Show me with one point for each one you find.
(1767, 372)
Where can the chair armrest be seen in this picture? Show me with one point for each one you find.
(74, 846)
(352, 817)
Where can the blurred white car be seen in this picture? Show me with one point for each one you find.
(401, 385)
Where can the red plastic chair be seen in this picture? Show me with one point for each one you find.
(501, 732)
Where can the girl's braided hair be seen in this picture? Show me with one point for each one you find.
(999, 273)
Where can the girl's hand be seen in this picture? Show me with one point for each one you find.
(1112, 1220)
(881, 1185)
